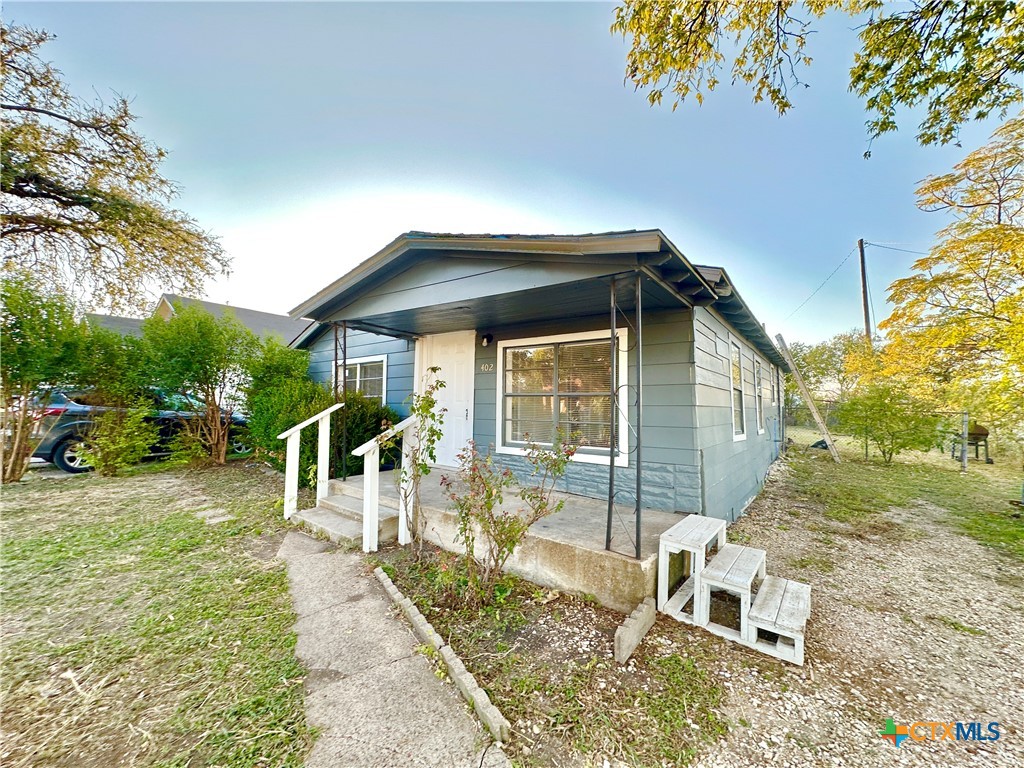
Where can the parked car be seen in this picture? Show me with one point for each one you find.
(66, 417)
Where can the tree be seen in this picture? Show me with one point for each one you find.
(40, 340)
(959, 319)
(203, 358)
(962, 60)
(83, 201)
(891, 418)
(823, 365)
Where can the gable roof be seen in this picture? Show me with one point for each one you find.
(649, 251)
(126, 326)
(263, 324)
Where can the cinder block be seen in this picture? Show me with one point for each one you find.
(633, 629)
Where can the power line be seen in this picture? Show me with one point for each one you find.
(890, 248)
(815, 291)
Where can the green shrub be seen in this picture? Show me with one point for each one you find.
(119, 438)
(274, 408)
(363, 418)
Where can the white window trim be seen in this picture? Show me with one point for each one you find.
(622, 460)
(357, 361)
(735, 340)
(759, 413)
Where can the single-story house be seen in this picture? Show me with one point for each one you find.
(264, 324)
(650, 360)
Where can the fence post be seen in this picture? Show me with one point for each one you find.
(963, 444)
(291, 476)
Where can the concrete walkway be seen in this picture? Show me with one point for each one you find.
(375, 700)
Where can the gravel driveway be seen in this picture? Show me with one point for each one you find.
(911, 621)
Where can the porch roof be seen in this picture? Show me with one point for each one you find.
(527, 278)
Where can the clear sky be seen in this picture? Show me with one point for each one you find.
(309, 135)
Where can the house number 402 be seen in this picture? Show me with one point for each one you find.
(487, 367)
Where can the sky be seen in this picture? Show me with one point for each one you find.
(307, 136)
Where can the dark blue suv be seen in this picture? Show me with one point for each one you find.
(67, 416)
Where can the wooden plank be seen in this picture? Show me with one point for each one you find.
(796, 607)
(743, 571)
(674, 606)
(720, 564)
(768, 600)
(808, 399)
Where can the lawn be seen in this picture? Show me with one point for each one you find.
(135, 633)
(858, 490)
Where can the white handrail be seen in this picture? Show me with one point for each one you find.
(370, 451)
(400, 426)
(323, 459)
(299, 427)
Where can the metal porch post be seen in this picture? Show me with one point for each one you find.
(639, 330)
(612, 420)
(344, 399)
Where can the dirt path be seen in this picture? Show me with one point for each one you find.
(911, 621)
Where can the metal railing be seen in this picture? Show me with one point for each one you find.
(323, 459)
(370, 451)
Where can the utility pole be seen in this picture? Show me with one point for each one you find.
(864, 290)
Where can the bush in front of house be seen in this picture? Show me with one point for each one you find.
(281, 395)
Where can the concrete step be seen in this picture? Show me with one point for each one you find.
(353, 488)
(340, 517)
(325, 522)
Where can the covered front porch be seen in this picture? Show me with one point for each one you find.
(565, 551)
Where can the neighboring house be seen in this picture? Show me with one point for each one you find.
(263, 324)
(126, 326)
(522, 330)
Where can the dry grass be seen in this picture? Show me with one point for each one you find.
(136, 634)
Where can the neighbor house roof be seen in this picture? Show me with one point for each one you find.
(647, 250)
(264, 324)
(126, 326)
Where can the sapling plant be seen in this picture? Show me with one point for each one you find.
(489, 531)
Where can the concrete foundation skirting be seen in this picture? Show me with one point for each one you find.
(474, 695)
(633, 629)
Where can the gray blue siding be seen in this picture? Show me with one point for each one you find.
(400, 368)
(733, 470)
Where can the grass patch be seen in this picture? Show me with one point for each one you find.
(545, 661)
(954, 624)
(814, 563)
(856, 492)
(140, 635)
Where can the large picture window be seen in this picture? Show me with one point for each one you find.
(367, 375)
(739, 428)
(558, 383)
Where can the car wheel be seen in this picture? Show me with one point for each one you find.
(239, 445)
(67, 455)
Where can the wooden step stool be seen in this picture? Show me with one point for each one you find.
(733, 570)
(692, 536)
(781, 607)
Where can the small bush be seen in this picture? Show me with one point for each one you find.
(363, 418)
(119, 438)
(275, 408)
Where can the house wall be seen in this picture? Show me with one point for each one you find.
(671, 474)
(733, 469)
(401, 358)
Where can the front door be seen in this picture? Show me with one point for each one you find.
(454, 354)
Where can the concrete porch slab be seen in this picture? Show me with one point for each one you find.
(564, 551)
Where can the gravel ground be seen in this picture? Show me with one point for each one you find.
(910, 620)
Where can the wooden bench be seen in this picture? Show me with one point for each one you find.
(733, 569)
(781, 607)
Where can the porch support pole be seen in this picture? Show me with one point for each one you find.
(639, 404)
(344, 398)
(612, 420)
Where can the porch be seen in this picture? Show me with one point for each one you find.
(565, 551)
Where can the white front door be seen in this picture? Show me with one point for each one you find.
(454, 354)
